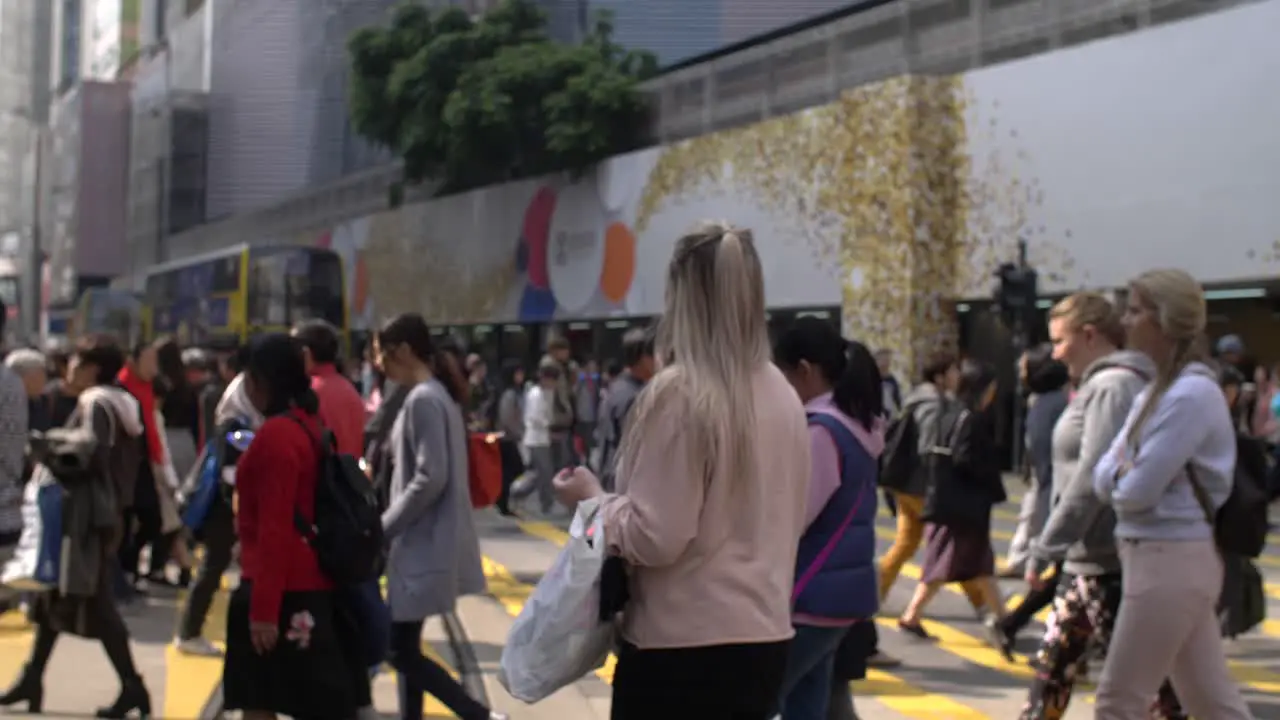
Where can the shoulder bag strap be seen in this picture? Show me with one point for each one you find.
(1202, 496)
(306, 529)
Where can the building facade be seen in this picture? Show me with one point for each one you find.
(895, 203)
(23, 106)
(278, 113)
(168, 169)
(85, 220)
(93, 39)
(112, 40)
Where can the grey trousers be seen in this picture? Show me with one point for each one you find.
(1031, 519)
(542, 470)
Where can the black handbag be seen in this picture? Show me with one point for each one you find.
(948, 499)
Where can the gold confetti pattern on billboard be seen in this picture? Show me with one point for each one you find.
(1002, 201)
(415, 270)
(870, 184)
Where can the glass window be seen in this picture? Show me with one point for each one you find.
(268, 292)
(9, 291)
(516, 342)
(581, 336)
(327, 289)
(484, 342)
(225, 276)
(287, 286)
(460, 335)
(611, 334)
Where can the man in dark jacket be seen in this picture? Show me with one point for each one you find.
(637, 351)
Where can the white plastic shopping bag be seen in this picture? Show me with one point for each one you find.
(23, 572)
(558, 637)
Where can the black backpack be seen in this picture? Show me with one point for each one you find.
(900, 460)
(1241, 526)
(347, 533)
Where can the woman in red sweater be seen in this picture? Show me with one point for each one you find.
(285, 643)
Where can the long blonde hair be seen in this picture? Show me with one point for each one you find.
(1178, 303)
(711, 339)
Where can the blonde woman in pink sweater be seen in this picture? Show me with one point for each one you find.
(712, 480)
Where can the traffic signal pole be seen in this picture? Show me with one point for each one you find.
(1016, 297)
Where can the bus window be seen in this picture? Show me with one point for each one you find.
(289, 285)
(268, 292)
(327, 290)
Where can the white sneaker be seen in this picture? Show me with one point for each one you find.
(198, 646)
(498, 716)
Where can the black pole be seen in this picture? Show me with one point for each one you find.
(1021, 341)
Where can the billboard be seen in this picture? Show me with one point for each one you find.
(895, 201)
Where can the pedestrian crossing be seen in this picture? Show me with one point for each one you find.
(191, 680)
(958, 675)
(79, 678)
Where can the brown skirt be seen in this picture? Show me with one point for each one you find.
(957, 554)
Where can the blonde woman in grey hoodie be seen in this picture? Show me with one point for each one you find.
(1080, 529)
(1166, 474)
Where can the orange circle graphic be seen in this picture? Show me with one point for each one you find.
(619, 266)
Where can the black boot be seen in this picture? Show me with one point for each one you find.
(28, 689)
(133, 696)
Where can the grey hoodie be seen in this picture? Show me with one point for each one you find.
(925, 403)
(1080, 529)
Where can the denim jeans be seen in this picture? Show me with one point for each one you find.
(806, 686)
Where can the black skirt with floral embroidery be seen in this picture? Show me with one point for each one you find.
(308, 675)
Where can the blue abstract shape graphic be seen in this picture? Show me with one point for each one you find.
(537, 305)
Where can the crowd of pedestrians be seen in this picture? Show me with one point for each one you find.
(737, 475)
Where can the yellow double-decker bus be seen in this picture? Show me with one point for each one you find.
(233, 294)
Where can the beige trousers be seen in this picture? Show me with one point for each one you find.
(1168, 627)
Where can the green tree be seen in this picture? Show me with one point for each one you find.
(471, 103)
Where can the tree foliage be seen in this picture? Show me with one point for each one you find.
(471, 103)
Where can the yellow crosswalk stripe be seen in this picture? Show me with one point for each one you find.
(1253, 676)
(889, 690)
(910, 701)
(190, 680)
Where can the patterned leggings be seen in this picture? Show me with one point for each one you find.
(1084, 613)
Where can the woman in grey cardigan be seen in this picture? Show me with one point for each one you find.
(434, 552)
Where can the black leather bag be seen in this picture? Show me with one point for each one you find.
(948, 499)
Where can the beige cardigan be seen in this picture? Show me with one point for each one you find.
(712, 562)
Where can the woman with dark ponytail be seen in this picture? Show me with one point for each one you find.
(835, 594)
(286, 651)
(435, 555)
